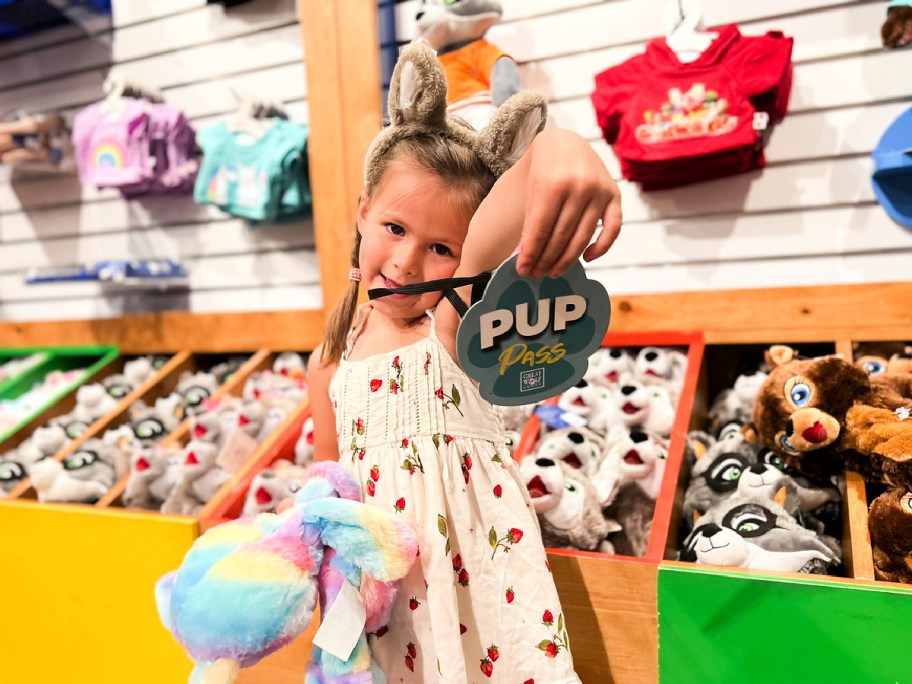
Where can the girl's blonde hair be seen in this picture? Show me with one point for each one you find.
(457, 166)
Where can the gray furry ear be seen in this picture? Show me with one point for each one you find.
(418, 89)
(511, 130)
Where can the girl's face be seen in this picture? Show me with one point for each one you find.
(412, 229)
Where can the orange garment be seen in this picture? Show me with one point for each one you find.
(468, 69)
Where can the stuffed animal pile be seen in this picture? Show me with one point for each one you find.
(249, 587)
(812, 419)
(93, 401)
(16, 409)
(17, 365)
(827, 414)
(182, 479)
(598, 465)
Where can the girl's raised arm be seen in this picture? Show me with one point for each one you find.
(549, 203)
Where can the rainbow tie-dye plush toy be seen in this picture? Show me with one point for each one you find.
(248, 587)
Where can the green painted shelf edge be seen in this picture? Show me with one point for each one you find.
(717, 626)
(93, 358)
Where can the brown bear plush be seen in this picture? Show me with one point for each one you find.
(890, 525)
(882, 357)
(824, 413)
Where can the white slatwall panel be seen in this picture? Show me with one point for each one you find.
(195, 54)
(809, 218)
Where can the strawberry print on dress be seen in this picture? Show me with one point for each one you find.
(431, 451)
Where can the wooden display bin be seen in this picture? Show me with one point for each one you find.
(98, 362)
(610, 601)
(730, 624)
(85, 574)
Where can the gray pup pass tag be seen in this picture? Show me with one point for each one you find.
(526, 339)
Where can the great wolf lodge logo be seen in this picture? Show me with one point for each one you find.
(532, 380)
(698, 112)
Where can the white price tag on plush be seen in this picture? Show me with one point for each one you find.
(342, 624)
(239, 447)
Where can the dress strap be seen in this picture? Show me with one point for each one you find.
(360, 319)
(433, 333)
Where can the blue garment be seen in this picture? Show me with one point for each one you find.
(262, 179)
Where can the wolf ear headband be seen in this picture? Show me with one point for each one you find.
(417, 107)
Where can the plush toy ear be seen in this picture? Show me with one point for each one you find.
(697, 515)
(513, 128)
(779, 354)
(418, 88)
(779, 496)
(363, 535)
(751, 435)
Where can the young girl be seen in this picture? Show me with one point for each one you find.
(391, 404)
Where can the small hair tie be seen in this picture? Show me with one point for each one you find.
(355, 275)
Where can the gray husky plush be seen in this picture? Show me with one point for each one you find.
(567, 506)
(82, 477)
(757, 533)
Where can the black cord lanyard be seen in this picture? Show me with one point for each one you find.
(446, 285)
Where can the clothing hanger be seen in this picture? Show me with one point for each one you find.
(116, 88)
(683, 18)
(252, 117)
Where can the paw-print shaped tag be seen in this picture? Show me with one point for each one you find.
(530, 339)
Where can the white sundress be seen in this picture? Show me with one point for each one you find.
(480, 603)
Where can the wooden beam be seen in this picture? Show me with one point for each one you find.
(172, 331)
(343, 73)
(853, 312)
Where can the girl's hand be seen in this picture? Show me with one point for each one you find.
(567, 191)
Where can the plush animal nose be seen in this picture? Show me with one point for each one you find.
(758, 468)
(575, 437)
(710, 529)
(544, 462)
(628, 389)
(637, 436)
(816, 434)
(418, 15)
(582, 383)
(651, 356)
(789, 427)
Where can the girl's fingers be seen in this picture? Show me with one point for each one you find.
(536, 231)
(563, 232)
(578, 242)
(611, 228)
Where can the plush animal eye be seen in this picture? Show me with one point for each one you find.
(11, 471)
(769, 458)
(149, 428)
(119, 391)
(729, 431)
(80, 459)
(194, 396)
(906, 502)
(294, 487)
(726, 471)
(799, 391)
(750, 520)
(76, 428)
(571, 487)
(873, 367)
(800, 395)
